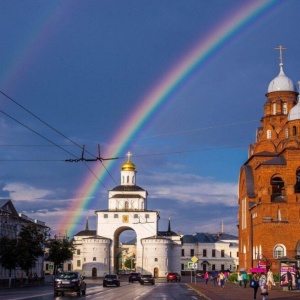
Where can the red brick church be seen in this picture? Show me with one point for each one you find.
(269, 182)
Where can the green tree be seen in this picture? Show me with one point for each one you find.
(30, 246)
(8, 254)
(130, 262)
(60, 250)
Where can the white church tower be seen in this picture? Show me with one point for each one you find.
(127, 210)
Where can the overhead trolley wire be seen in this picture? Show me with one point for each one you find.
(42, 121)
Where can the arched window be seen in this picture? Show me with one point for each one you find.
(284, 108)
(286, 133)
(132, 179)
(269, 135)
(94, 258)
(277, 185)
(279, 251)
(126, 205)
(123, 181)
(274, 108)
(127, 179)
(297, 185)
(298, 248)
(294, 130)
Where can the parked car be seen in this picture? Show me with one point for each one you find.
(69, 282)
(111, 279)
(147, 278)
(173, 277)
(134, 277)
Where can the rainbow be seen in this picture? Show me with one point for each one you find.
(154, 99)
(205, 49)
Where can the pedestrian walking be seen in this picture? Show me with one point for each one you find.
(290, 280)
(206, 277)
(245, 279)
(222, 279)
(215, 277)
(254, 284)
(263, 286)
(270, 279)
(240, 279)
(298, 279)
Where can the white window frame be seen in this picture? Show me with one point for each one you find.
(279, 251)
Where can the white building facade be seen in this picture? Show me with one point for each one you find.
(214, 252)
(11, 223)
(98, 252)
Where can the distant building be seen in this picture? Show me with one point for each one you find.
(269, 182)
(10, 225)
(214, 251)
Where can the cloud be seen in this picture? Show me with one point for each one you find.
(21, 191)
(189, 188)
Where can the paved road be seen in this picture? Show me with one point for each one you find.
(127, 291)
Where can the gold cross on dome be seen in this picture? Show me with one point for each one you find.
(280, 48)
(128, 154)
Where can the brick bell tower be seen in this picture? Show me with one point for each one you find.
(269, 182)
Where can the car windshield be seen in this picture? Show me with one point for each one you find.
(111, 276)
(67, 276)
(147, 276)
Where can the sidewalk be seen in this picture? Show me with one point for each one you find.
(232, 291)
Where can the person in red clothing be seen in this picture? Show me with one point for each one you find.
(206, 276)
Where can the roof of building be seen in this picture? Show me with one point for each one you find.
(208, 238)
(127, 188)
(281, 82)
(294, 113)
(280, 160)
(86, 233)
(166, 233)
(7, 206)
(126, 196)
(128, 166)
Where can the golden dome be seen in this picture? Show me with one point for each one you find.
(128, 166)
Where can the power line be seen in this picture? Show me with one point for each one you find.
(143, 155)
(38, 118)
(37, 133)
(42, 121)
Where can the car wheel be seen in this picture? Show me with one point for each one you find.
(152, 283)
(104, 285)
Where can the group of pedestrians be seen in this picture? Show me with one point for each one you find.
(263, 282)
(219, 278)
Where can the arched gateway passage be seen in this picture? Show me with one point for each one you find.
(122, 252)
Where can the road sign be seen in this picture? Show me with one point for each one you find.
(192, 265)
(194, 259)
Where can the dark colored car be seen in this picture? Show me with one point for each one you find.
(111, 279)
(134, 277)
(147, 278)
(173, 277)
(69, 282)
